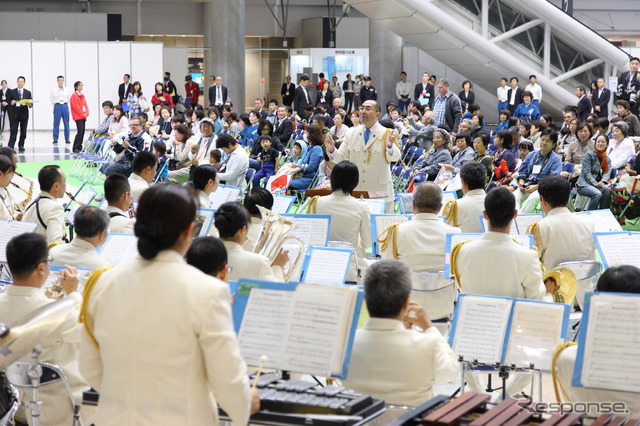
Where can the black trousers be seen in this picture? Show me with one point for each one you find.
(77, 142)
(18, 120)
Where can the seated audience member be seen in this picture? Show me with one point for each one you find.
(439, 154)
(350, 220)
(144, 166)
(310, 161)
(561, 236)
(27, 261)
(159, 149)
(577, 150)
(254, 198)
(209, 255)
(117, 192)
(594, 175)
(495, 264)
(232, 222)
(463, 154)
(235, 166)
(107, 108)
(420, 243)
(45, 210)
(621, 147)
(215, 159)
(535, 167)
(537, 127)
(269, 160)
(624, 112)
(91, 226)
(480, 146)
(130, 147)
(503, 143)
(504, 117)
(205, 181)
(617, 279)
(390, 359)
(182, 146)
(465, 213)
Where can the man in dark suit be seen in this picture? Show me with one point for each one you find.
(20, 100)
(600, 100)
(301, 97)
(514, 95)
(287, 91)
(217, 92)
(584, 105)
(170, 87)
(283, 128)
(629, 85)
(424, 90)
(124, 89)
(258, 106)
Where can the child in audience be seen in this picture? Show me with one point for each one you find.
(269, 160)
(159, 149)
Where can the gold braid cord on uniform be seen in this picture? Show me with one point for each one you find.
(50, 245)
(450, 213)
(534, 229)
(311, 207)
(385, 137)
(556, 382)
(455, 252)
(390, 235)
(84, 314)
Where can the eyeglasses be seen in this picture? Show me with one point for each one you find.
(229, 268)
(47, 260)
(135, 125)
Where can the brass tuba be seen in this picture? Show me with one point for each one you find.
(272, 238)
(565, 284)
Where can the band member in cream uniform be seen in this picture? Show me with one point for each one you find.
(45, 210)
(371, 147)
(7, 207)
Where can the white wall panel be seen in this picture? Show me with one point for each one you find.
(114, 61)
(146, 66)
(48, 63)
(82, 65)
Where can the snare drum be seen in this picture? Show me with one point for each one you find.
(9, 400)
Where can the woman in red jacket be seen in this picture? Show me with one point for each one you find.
(79, 113)
(161, 97)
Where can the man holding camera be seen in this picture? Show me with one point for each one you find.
(536, 166)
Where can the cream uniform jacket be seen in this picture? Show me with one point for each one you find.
(372, 159)
(167, 348)
(7, 209)
(350, 222)
(138, 186)
(61, 349)
(421, 242)
(469, 211)
(255, 227)
(495, 265)
(119, 221)
(389, 361)
(252, 266)
(564, 237)
(52, 215)
(78, 253)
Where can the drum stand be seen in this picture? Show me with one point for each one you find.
(34, 373)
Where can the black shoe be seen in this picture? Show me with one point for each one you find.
(67, 142)
(54, 143)
(21, 150)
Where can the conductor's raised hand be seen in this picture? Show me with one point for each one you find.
(393, 136)
(329, 143)
(416, 315)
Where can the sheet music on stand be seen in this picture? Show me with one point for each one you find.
(326, 265)
(519, 225)
(82, 198)
(601, 220)
(508, 331)
(119, 248)
(379, 223)
(453, 239)
(204, 221)
(609, 343)
(224, 194)
(10, 229)
(618, 248)
(303, 328)
(312, 229)
(282, 203)
(375, 205)
(406, 200)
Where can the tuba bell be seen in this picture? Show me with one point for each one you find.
(565, 284)
(273, 237)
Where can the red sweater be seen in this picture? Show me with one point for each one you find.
(79, 107)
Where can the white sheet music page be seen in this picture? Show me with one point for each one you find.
(222, 195)
(619, 249)
(281, 205)
(383, 222)
(612, 342)
(312, 231)
(375, 206)
(535, 332)
(513, 230)
(120, 248)
(480, 328)
(10, 229)
(601, 220)
(327, 267)
(315, 330)
(523, 221)
(263, 325)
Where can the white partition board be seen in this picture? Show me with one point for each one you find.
(146, 67)
(82, 65)
(114, 62)
(16, 61)
(48, 64)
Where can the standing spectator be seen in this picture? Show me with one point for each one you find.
(503, 96)
(59, 99)
(321, 81)
(301, 97)
(324, 94)
(349, 93)
(535, 89)
(124, 89)
(287, 91)
(20, 100)
(403, 92)
(136, 101)
(424, 92)
(447, 107)
(335, 87)
(600, 100)
(368, 92)
(467, 97)
(514, 95)
(192, 91)
(4, 105)
(629, 85)
(357, 88)
(160, 97)
(170, 87)
(584, 105)
(79, 113)
(218, 94)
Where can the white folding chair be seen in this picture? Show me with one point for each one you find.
(437, 295)
(587, 273)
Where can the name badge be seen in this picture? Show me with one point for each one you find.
(536, 169)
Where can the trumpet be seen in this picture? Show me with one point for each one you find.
(272, 238)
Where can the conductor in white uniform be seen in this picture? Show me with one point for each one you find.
(45, 210)
(371, 147)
